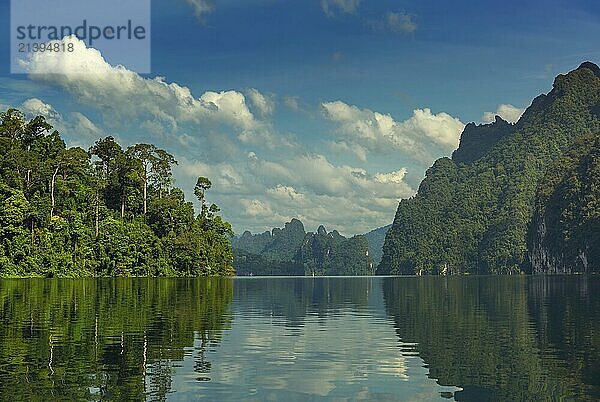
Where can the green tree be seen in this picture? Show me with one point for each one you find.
(161, 175)
(67, 212)
(156, 168)
(202, 184)
(107, 150)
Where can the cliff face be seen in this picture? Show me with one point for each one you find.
(286, 241)
(564, 236)
(279, 243)
(472, 213)
(292, 251)
(325, 253)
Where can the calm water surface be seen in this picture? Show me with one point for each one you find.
(463, 338)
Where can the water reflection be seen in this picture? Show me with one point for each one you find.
(311, 339)
(293, 299)
(104, 339)
(528, 338)
(468, 338)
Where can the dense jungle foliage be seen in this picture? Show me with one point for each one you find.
(472, 212)
(107, 211)
(564, 236)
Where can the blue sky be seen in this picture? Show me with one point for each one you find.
(326, 110)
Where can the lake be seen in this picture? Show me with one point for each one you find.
(299, 339)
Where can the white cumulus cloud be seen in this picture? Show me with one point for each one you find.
(392, 177)
(256, 208)
(263, 103)
(34, 107)
(286, 193)
(343, 147)
(508, 112)
(122, 93)
(374, 132)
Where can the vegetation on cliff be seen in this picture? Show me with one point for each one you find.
(564, 236)
(292, 251)
(472, 212)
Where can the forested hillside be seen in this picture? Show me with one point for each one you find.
(107, 211)
(292, 251)
(471, 213)
(564, 236)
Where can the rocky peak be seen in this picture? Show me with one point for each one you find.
(590, 66)
(573, 81)
(476, 140)
(294, 226)
(336, 235)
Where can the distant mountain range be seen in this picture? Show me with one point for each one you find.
(293, 251)
(376, 238)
